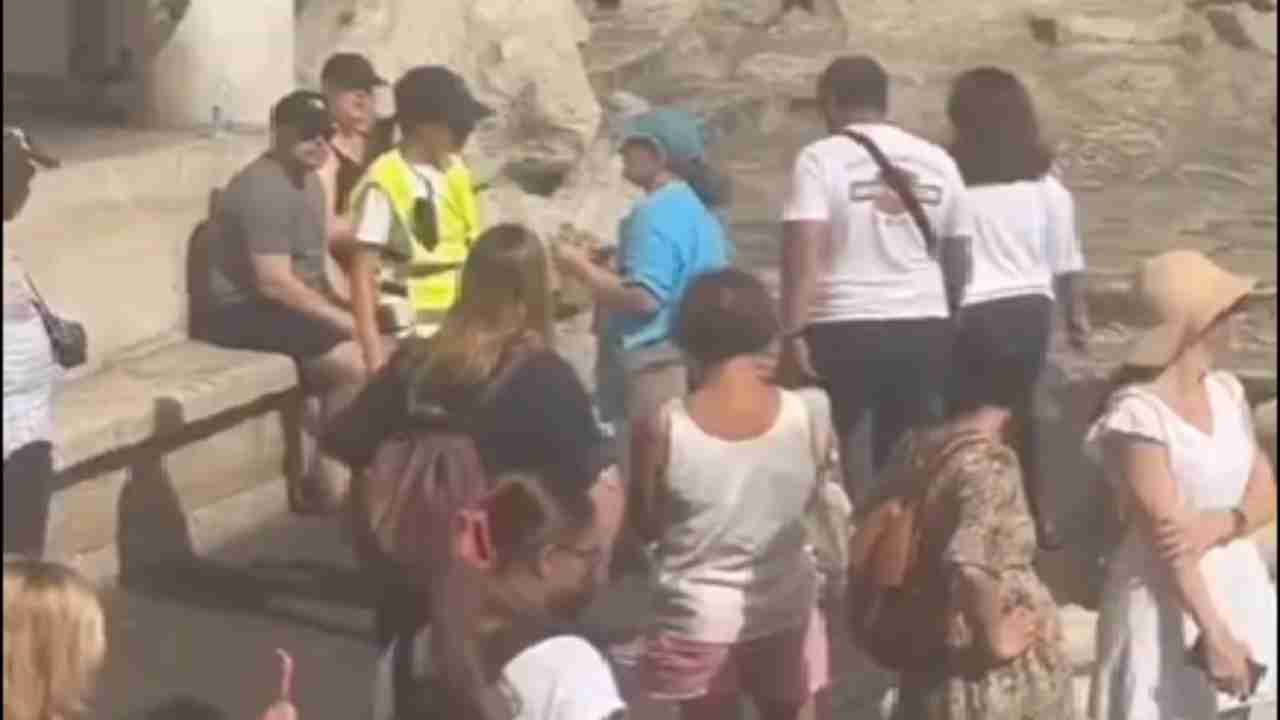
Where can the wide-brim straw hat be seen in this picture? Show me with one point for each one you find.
(1181, 293)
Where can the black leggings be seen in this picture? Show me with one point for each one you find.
(999, 355)
(891, 372)
(28, 487)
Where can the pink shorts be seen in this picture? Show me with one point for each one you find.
(787, 667)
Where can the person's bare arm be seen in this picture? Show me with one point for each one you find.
(339, 232)
(1200, 532)
(802, 243)
(1259, 503)
(1005, 634)
(801, 249)
(649, 444)
(606, 286)
(363, 274)
(1070, 291)
(276, 281)
(1144, 468)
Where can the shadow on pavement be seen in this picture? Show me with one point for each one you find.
(157, 558)
(183, 708)
(271, 591)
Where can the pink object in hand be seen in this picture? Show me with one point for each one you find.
(282, 708)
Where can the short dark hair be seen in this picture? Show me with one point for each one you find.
(997, 137)
(855, 82)
(725, 314)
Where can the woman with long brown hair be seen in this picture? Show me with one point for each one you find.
(1026, 258)
(540, 415)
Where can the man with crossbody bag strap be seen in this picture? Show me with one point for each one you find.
(869, 238)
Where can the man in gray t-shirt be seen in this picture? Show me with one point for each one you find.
(266, 276)
(263, 212)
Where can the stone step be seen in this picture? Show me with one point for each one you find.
(629, 47)
(175, 429)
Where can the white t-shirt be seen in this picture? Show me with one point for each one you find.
(877, 266)
(1026, 235)
(560, 678)
(374, 224)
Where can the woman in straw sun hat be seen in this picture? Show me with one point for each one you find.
(1177, 442)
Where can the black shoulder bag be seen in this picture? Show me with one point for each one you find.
(953, 254)
(68, 339)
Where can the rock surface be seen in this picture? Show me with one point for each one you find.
(521, 57)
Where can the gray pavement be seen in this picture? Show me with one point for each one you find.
(195, 639)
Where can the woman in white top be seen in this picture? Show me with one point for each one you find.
(1024, 247)
(722, 480)
(1176, 440)
(30, 372)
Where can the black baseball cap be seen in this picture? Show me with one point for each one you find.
(304, 110)
(434, 93)
(350, 71)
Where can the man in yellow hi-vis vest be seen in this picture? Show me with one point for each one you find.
(415, 208)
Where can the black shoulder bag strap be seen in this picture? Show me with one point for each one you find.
(900, 184)
(956, 266)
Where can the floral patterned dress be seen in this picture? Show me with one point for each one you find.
(982, 520)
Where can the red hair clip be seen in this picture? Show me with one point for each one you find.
(473, 543)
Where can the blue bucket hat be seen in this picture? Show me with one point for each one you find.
(676, 134)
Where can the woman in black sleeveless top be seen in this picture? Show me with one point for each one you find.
(349, 81)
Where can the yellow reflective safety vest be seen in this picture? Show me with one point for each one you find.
(431, 276)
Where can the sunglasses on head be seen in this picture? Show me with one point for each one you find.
(424, 227)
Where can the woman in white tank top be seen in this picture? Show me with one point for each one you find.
(723, 478)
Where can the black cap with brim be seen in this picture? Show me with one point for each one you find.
(20, 141)
(434, 93)
(305, 111)
(350, 71)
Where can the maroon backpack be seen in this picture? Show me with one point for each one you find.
(408, 490)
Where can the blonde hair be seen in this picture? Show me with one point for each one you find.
(54, 640)
(505, 297)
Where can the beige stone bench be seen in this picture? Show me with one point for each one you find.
(143, 445)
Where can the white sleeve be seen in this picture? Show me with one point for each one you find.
(808, 199)
(374, 224)
(1062, 242)
(1131, 414)
(565, 678)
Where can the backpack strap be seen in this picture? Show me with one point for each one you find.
(822, 443)
(900, 184)
(925, 495)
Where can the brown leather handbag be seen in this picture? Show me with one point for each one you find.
(898, 596)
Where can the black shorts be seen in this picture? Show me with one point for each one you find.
(267, 327)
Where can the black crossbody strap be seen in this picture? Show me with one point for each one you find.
(42, 308)
(900, 184)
